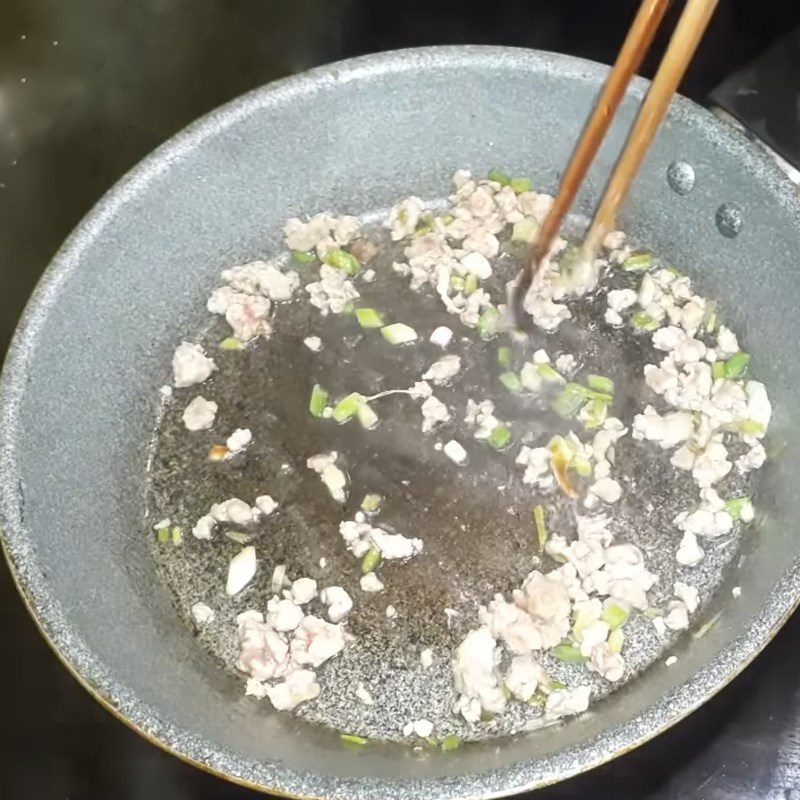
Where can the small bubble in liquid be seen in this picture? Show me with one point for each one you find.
(729, 220)
(680, 177)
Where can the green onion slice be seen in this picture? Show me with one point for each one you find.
(500, 437)
(541, 526)
(369, 318)
(569, 653)
(499, 177)
(638, 262)
(520, 185)
(451, 742)
(736, 365)
(343, 260)
(347, 407)
(511, 381)
(371, 560)
(600, 383)
(304, 257)
(319, 401)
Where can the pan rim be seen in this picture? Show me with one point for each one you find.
(88, 668)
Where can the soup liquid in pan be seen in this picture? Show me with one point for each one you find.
(476, 521)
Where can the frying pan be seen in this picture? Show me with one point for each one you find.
(80, 389)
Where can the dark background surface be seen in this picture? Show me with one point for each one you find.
(88, 87)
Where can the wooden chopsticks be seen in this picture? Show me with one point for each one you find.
(682, 46)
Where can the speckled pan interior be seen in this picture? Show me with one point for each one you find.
(79, 394)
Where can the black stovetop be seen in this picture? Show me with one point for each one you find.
(88, 87)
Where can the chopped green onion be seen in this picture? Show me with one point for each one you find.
(347, 407)
(343, 260)
(705, 628)
(600, 406)
(371, 503)
(569, 653)
(537, 700)
(447, 219)
(615, 615)
(739, 506)
(369, 318)
(231, 343)
(644, 322)
(349, 738)
(718, 370)
(598, 415)
(541, 526)
(505, 356)
(549, 374)
(569, 402)
(163, 535)
(423, 229)
(319, 401)
(499, 177)
(371, 560)
(304, 257)
(600, 383)
(530, 378)
(456, 283)
(582, 466)
(511, 381)
(712, 320)
(589, 394)
(486, 716)
(177, 535)
(749, 427)
(471, 284)
(367, 417)
(525, 230)
(520, 185)
(451, 742)
(640, 261)
(736, 365)
(500, 437)
(489, 323)
(554, 686)
(583, 619)
(398, 333)
(615, 640)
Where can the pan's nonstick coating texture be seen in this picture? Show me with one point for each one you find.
(476, 521)
(80, 386)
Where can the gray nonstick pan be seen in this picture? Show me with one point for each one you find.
(84, 471)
